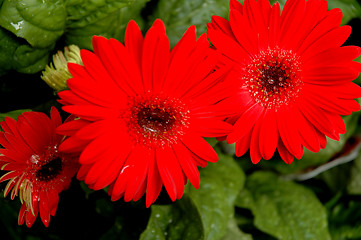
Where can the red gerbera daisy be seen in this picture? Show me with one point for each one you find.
(143, 111)
(295, 79)
(37, 172)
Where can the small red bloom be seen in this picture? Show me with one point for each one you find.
(144, 110)
(37, 172)
(295, 79)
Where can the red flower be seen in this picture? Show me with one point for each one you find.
(295, 79)
(143, 112)
(37, 172)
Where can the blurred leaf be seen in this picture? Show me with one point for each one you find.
(354, 184)
(345, 220)
(100, 17)
(211, 141)
(181, 220)
(350, 9)
(178, 15)
(41, 23)
(13, 114)
(284, 209)
(235, 233)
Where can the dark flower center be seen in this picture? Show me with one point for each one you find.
(155, 119)
(50, 170)
(273, 78)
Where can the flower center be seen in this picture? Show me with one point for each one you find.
(273, 78)
(157, 121)
(154, 119)
(49, 170)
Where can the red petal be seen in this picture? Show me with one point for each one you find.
(170, 172)
(188, 165)
(154, 182)
(134, 41)
(21, 218)
(242, 29)
(245, 123)
(317, 117)
(288, 131)
(243, 144)
(211, 127)
(70, 128)
(254, 145)
(137, 175)
(44, 208)
(308, 134)
(234, 4)
(286, 156)
(200, 147)
(226, 44)
(268, 136)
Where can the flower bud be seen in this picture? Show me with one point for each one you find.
(56, 74)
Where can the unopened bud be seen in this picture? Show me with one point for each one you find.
(56, 74)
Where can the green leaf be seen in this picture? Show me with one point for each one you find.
(178, 15)
(13, 114)
(235, 233)
(39, 22)
(107, 18)
(284, 209)
(220, 185)
(83, 13)
(345, 220)
(350, 9)
(31, 60)
(354, 184)
(8, 46)
(179, 221)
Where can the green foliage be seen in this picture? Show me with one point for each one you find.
(350, 9)
(284, 209)
(41, 23)
(179, 221)
(30, 60)
(103, 17)
(178, 15)
(345, 219)
(7, 48)
(235, 233)
(20, 56)
(354, 183)
(35, 27)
